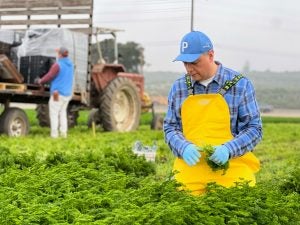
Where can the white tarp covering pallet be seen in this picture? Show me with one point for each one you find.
(10, 37)
(43, 42)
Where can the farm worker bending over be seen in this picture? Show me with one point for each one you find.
(61, 88)
(214, 106)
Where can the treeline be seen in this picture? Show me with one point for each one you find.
(129, 54)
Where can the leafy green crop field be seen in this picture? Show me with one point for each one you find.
(94, 178)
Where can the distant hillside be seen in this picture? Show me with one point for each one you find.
(159, 83)
(279, 89)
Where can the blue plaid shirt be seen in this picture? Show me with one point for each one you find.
(245, 120)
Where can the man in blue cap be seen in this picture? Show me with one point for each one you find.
(211, 105)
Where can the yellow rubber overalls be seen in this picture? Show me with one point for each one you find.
(206, 121)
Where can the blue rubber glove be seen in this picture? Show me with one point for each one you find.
(220, 155)
(191, 155)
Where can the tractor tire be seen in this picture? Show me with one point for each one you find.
(120, 106)
(94, 116)
(14, 122)
(42, 115)
(157, 122)
(73, 115)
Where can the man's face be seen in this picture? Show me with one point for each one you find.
(201, 69)
(58, 55)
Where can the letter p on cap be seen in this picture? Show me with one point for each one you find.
(184, 45)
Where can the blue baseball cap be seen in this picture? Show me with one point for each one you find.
(192, 46)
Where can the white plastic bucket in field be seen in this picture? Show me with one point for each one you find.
(149, 152)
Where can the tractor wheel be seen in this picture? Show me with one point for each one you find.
(120, 106)
(157, 122)
(14, 122)
(42, 114)
(94, 116)
(73, 115)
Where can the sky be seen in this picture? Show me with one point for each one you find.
(265, 34)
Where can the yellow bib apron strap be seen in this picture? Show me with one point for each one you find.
(206, 121)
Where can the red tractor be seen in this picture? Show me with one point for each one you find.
(116, 98)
